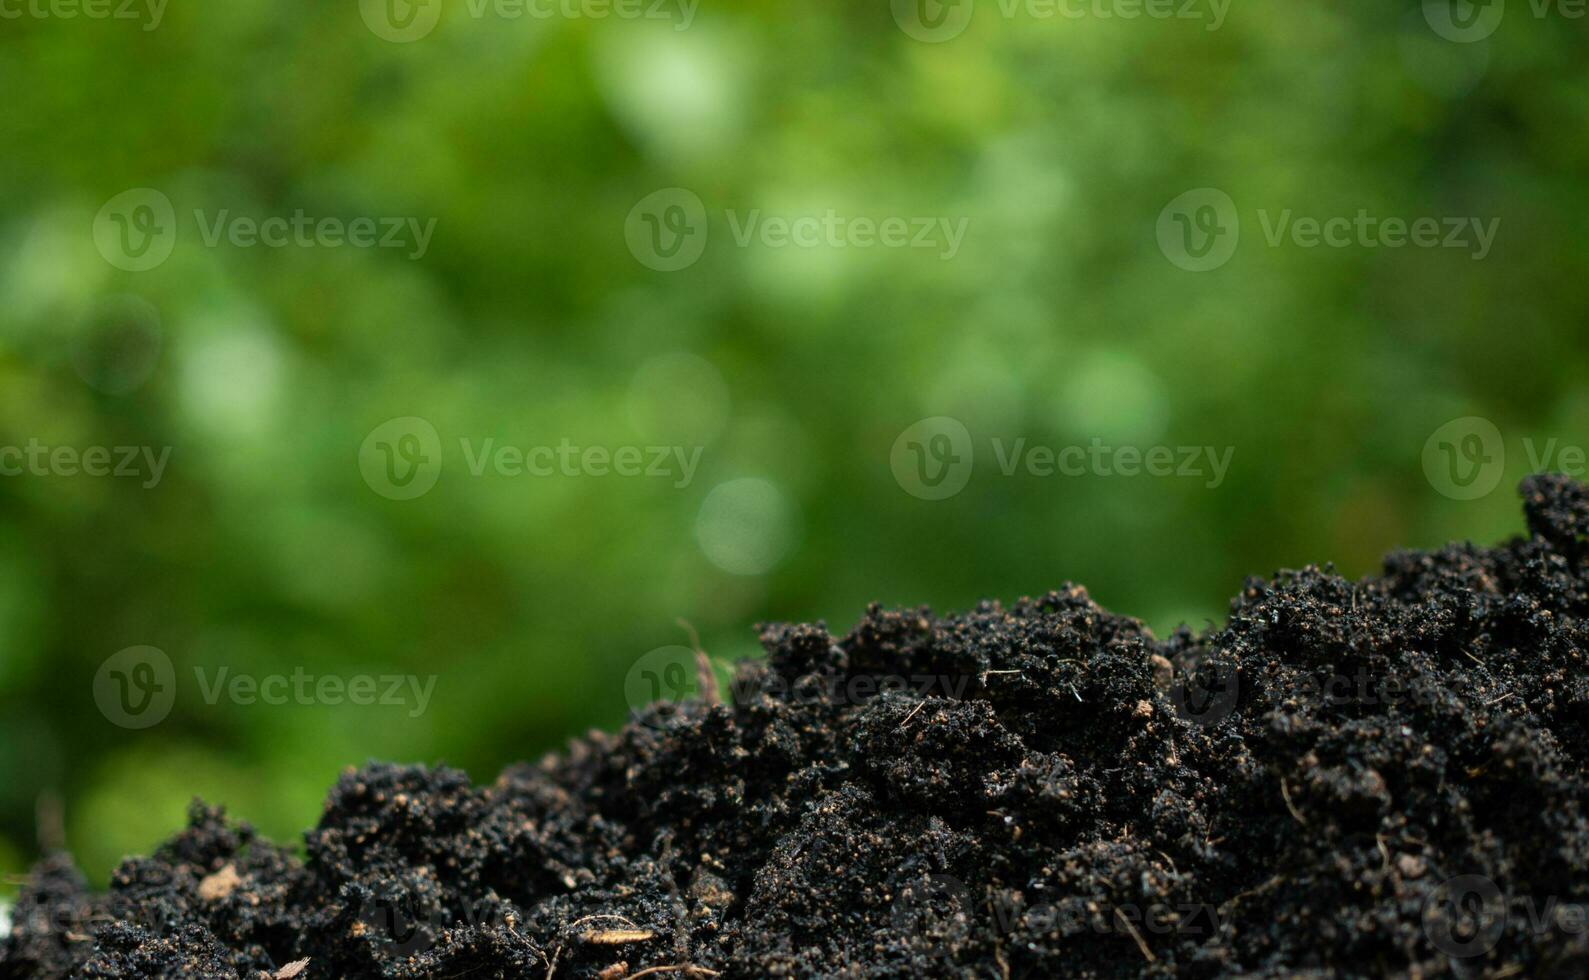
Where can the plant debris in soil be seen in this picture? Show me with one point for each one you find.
(1380, 778)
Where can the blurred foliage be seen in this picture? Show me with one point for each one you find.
(528, 321)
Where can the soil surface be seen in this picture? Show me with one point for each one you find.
(1372, 779)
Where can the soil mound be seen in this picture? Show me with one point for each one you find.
(1348, 779)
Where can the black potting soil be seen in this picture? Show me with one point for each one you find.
(1371, 779)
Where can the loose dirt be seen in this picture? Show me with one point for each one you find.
(1369, 779)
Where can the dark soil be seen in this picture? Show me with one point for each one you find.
(1370, 779)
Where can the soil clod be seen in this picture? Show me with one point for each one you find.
(1380, 778)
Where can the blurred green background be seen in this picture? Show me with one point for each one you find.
(529, 320)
